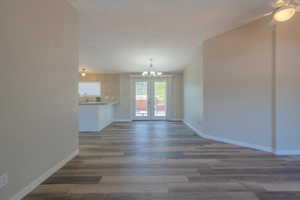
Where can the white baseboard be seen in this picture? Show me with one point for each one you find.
(122, 120)
(192, 127)
(175, 120)
(287, 152)
(130, 120)
(243, 144)
(230, 141)
(29, 188)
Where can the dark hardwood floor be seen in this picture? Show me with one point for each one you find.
(168, 161)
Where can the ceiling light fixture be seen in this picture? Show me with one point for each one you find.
(151, 72)
(283, 10)
(83, 72)
(285, 13)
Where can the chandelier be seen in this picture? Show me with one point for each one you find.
(151, 72)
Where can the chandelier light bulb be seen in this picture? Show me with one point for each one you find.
(151, 72)
(145, 73)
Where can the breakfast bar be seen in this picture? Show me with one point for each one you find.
(94, 116)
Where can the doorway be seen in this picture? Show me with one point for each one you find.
(149, 98)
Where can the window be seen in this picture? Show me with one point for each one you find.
(89, 89)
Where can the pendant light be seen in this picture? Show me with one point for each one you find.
(83, 72)
(151, 72)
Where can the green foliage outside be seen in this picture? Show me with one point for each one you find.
(160, 90)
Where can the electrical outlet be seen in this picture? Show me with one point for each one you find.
(3, 180)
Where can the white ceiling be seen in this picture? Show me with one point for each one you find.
(122, 35)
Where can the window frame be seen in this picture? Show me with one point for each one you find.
(82, 82)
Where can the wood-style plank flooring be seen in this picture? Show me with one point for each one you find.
(168, 161)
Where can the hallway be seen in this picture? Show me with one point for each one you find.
(168, 161)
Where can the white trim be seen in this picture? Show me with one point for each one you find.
(287, 152)
(192, 127)
(174, 120)
(122, 120)
(133, 80)
(230, 141)
(169, 98)
(26, 190)
(243, 144)
(152, 94)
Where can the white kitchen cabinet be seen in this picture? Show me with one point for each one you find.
(94, 117)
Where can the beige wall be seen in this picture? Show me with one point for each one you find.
(110, 84)
(38, 84)
(117, 85)
(175, 107)
(287, 87)
(238, 85)
(123, 109)
(193, 91)
(251, 79)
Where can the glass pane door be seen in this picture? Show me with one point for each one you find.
(149, 98)
(160, 99)
(141, 100)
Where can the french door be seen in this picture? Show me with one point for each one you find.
(150, 98)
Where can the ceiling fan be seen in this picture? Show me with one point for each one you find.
(284, 10)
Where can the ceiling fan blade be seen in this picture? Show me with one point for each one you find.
(278, 3)
(269, 13)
